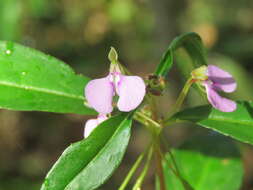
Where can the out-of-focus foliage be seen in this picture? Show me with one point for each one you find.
(81, 33)
(203, 162)
(10, 19)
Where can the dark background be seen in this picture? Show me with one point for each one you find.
(80, 32)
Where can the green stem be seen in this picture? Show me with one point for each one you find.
(124, 69)
(171, 155)
(159, 164)
(181, 97)
(153, 107)
(140, 179)
(176, 170)
(146, 120)
(132, 170)
(185, 184)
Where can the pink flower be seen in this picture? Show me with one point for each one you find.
(100, 92)
(91, 124)
(219, 80)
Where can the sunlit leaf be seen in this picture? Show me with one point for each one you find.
(31, 80)
(88, 163)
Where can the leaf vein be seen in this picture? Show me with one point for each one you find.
(39, 89)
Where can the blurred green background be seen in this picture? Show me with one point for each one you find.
(80, 33)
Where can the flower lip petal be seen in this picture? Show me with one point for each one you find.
(218, 102)
(99, 94)
(101, 118)
(131, 91)
(222, 80)
(90, 125)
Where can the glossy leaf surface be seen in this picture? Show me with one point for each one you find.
(31, 80)
(237, 124)
(88, 163)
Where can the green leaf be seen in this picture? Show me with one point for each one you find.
(192, 44)
(165, 64)
(31, 80)
(88, 163)
(209, 162)
(237, 124)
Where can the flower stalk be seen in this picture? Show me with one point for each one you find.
(181, 97)
(159, 165)
(140, 179)
(132, 171)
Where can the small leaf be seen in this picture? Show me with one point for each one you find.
(192, 44)
(207, 162)
(237, 124)
(89, 163)
(31, 80)
(166, 63)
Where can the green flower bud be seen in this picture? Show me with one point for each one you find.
(113, 55)
(156, 85)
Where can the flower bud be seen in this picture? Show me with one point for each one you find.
(156, 85)
(113, 55)
(115, 65)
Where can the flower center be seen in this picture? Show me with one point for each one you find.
(200, 73)
(115, 79)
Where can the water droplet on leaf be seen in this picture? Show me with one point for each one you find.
(9, 48)
(8, 52)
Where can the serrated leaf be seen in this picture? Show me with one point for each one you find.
(237, 124)
(88, 163)
(192, 44)
(208, 162)
(31, 80)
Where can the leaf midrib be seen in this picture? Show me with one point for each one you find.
(43, 90)
(99, 152)
(248, 123)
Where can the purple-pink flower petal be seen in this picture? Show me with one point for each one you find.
(218, 102)
(221, 79)
(90, 125)
(99, 94)
(131, 91)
